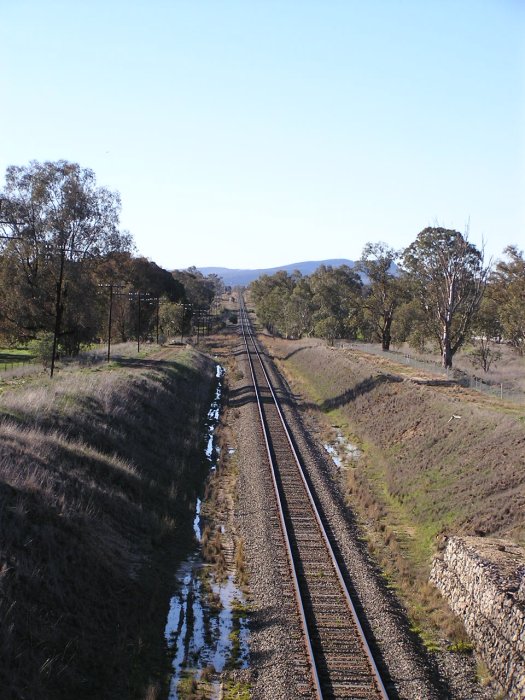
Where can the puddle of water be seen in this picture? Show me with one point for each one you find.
(197, 521)
(207, 626)
(212, 419)
(342, 450)
(334, 455)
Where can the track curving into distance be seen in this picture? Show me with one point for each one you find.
(341, 665)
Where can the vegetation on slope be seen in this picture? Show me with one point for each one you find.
(435, 459)
(98, 471)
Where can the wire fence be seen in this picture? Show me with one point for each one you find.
(505, 391)
(13, 368)
(15, 364)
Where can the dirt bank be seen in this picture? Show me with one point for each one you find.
(450, 458)
(417, 460)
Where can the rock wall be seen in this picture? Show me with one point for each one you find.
(483, 581)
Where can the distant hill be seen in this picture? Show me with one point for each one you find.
(234, 277)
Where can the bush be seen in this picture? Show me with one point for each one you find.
(42, 348)
(483, 355)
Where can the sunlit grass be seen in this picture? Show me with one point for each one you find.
(11, 358)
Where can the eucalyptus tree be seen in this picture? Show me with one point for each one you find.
(507, 289)
(299, 309)
(199, 289)
(174, 319)
(382, 293)
(411, 323)
(336, 301)
(487, 330)
(325, 304)
(271, 294)
(128, 276)
(448, 278)
(54, 218)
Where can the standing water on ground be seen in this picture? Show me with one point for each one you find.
(341, 451)
(207, 627)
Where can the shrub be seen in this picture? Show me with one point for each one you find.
(42, 348)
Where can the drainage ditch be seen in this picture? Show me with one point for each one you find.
(207, 626)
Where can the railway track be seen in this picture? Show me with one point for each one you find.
(339, 662)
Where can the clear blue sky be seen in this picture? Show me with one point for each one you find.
(257, 133)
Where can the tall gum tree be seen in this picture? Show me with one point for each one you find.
(448, 277)
(507, 289)
(53, 218)
(337, 293)
(271, 294)
(382, 292)
(299, 308)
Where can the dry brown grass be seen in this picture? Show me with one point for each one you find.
(153, 692)
(509, 369)
(97, 478)
(240, 564)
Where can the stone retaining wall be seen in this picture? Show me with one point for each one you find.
(483, 581)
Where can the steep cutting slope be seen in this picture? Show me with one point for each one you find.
(98, 471)
(433, 460)
(450, 458)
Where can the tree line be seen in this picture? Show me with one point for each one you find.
(438, 290)
(64, 260)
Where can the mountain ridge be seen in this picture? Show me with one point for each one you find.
(235, 276)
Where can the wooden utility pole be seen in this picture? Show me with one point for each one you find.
(58, 309)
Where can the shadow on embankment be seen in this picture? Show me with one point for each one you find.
(364, 387)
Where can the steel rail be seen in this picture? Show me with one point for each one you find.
(284, 529)
(245, 324)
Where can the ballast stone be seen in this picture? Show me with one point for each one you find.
(483, 581)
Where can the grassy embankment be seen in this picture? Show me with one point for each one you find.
(98, 474)
(422, 472)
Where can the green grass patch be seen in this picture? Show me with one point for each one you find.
(236, 690)
(11, 358)
(461, 647)
(16, 352)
